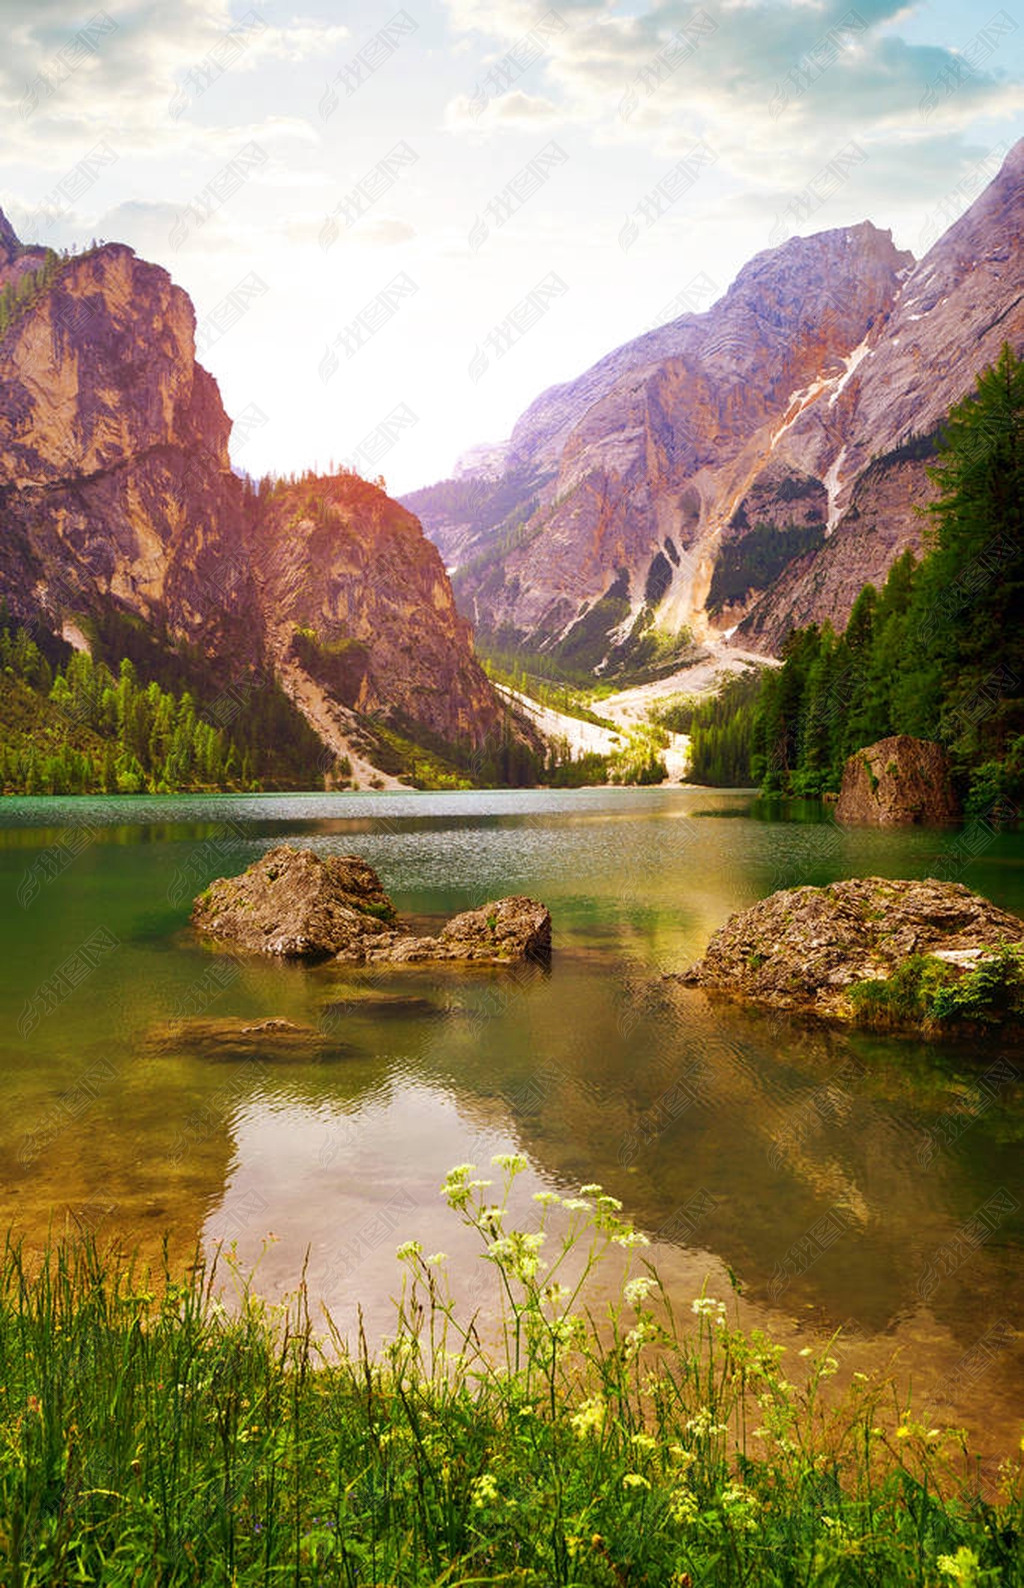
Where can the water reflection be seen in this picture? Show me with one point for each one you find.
(842, 1179)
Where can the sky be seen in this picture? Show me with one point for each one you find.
(400, 225)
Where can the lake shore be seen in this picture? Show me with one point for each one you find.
(149, 1430)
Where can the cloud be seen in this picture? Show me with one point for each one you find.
(300, 41)
(768, 86)
(509, 19)
(133, 73)
(326, 232)
(143, 224)
(384, 232)
(513, 109)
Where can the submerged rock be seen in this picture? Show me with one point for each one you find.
(898, 782)
(873, 951)
(270, 1040)
(385, 1007)
(300, 905)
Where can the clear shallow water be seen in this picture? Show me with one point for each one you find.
(837, 1176)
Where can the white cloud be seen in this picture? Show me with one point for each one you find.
(137, 75)
(768, 86)
(517, 108)
(384, 232)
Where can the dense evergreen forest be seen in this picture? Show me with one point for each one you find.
(938, 652)
(76, 726)
(721, 730)
(74, 723)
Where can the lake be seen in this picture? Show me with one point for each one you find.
(840, 1179)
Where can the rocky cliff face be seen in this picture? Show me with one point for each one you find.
(789, 404)
(115, 484)
(117, 496)
(354, 595)
(949, 321)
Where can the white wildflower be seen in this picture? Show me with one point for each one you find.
(630, 1238)
(708, 1307)
(636, 1291)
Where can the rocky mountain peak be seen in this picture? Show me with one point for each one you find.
(117, 500)
(784, 413)
(850, 250)
(639, 467)
(10, 247)
(872, 441)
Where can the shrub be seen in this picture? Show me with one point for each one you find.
(923, 990)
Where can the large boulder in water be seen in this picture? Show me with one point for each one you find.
(873, 951)
(301, 905)
(297, 904)
(500, 932)
(898, 782)
(271, 1039)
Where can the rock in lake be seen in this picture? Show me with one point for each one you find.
(300, 905)
(228, 1039)
(898, 782)
(873, 951)
(295, 904)
(500, 932)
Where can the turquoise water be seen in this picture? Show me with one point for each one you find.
(843, 1180)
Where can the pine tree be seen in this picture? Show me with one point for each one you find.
(971, 598)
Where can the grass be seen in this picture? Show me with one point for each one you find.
(923, 990)
(149, 1435)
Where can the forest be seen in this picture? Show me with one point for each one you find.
(937, 652)
(78, 726)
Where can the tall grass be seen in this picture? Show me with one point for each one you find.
(149, 1435)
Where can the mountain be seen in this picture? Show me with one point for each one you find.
(750, 466)
(120, 515)
(357, 612)
(951, 317)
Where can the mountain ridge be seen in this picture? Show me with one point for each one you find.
(118, 503)
(766, 412)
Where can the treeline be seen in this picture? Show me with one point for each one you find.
(938, 652)
(721, 730)
(78, 726)
(106, 733)
(19, 294)
(756, 560)
(269, 732)
(639, 762)
(74, 723)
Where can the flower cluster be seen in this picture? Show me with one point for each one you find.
(708, 1307)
